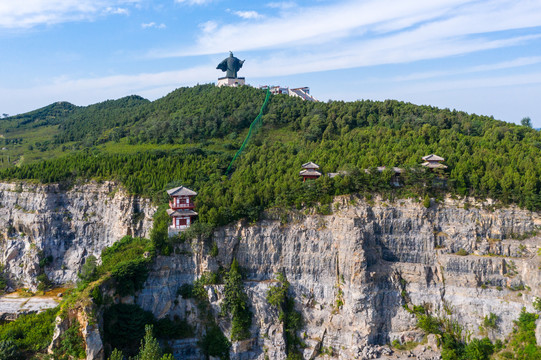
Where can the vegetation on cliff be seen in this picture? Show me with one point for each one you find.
(27, 335)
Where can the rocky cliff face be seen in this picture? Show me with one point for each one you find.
(61, 227)
(352, 271)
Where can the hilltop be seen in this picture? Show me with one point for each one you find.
(190, 136)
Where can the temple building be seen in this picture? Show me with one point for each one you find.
(309, 171)
(433, 161)
(302, 92)
(181, 209)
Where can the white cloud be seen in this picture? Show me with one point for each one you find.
(30, 13)
(282, 5)
(152, 24)
(519, 62)
(248, 14)
(208, 26)
(354, 33)
(117, 11)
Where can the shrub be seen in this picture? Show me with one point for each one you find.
(159, 235)
(523, 342)
(491, 321)
(126, 249)
(124, 327)
(71, 344)
(116, 355)
(426, 202)
(43, 282)
(9, 350)
(3, 281)
(214, 343)
(214, 250)
(97, 296)
(429, 324)
(291, 319)
(479, 349)
(537, 304)
(89, 269)
(462, 252)
(129, 276)
(30, 333)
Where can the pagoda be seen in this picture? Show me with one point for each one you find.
(433, 161)
(309, 171)
(181, 209)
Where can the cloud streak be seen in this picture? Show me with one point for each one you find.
(354, 34)
(152, 24)
(31, 13)
(248, 15)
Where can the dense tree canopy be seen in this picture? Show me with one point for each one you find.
(206, 124)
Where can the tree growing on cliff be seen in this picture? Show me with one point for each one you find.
(278, 297)
(236, 304)
(89, 269)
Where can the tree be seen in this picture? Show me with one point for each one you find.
(116, 355)
(150, 348)
(88, 270)
(526, 121)
(9, 350)
(236, 304)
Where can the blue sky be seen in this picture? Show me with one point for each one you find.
(479, 56)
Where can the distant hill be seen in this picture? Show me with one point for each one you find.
(190, 136)
(48, 115)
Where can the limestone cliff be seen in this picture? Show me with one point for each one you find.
(47, 222)
(352, 271)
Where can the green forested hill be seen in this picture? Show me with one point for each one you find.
(190, 136)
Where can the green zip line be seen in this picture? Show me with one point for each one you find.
(254, 123)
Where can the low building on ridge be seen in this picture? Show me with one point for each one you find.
(310, 171)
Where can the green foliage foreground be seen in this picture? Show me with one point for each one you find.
(28, 334)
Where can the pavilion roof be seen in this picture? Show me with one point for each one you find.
(310, 165)
(309, 172)
(433, 157)
(181, 191)
(182, 212)
(434, 165)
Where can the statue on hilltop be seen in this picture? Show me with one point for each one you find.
(231, 65)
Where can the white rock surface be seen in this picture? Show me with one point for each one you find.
(366, 255)
(13, 305)
(67, 224)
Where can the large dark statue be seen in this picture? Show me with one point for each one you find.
(231, 65)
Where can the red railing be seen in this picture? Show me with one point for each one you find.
(174, 206)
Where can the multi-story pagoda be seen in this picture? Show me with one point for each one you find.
(309, 171)
(433, 161)
(181, 208)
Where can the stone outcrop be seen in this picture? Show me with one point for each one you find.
(47, 222)
(351, 273)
